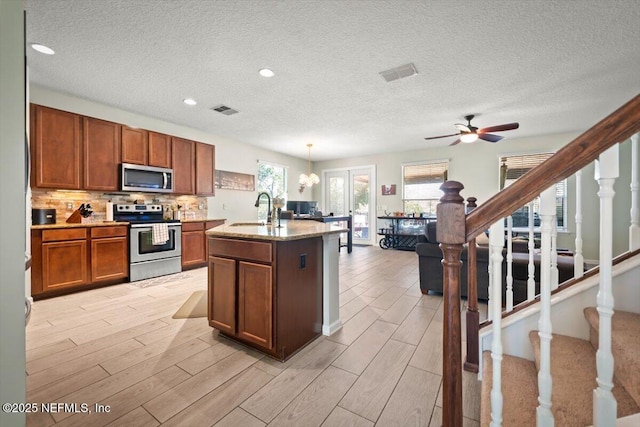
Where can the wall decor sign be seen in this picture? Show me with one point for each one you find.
(235, 181)
(388, 189)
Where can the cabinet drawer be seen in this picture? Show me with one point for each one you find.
(120, 231)
(64, 234)
(256, 251)
(192, 226)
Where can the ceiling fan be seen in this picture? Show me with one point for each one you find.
(470, 133)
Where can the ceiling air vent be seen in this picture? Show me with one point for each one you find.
(223, 109)
(400, 72)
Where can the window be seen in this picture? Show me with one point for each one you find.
(512, 168)
(421, 186)
(272, 179)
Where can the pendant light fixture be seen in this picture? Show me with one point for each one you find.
(310, 178)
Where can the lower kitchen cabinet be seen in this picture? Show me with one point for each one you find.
(72, 259)
(109, 253)
(64, 264)
(266, 294)
(255, 303)
(194, 242)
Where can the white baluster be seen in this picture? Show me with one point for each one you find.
(509, 293)
(496, 243)
(531, 269)
(634, 228)
(544, 416)
(578, 259)
(604, 404)
(554, 251)
(490, 290)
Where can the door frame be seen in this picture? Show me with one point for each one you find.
(372, 197)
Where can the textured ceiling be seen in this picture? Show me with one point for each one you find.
(552, 65)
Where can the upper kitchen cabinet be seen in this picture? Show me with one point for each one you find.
(159, 150)
(101, 154)
(205, 169)
(183, 159)
(56, 149)
(135, 145)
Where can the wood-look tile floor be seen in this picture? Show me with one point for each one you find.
(119, 346)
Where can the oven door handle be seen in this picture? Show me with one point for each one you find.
(170, 225)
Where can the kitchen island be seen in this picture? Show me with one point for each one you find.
(275, 289)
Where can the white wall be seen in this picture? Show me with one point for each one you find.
(477, 167)
(12, 206)
(231, 155)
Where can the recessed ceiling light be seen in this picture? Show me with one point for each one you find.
(265, 72)
(189, 101)
(42, 48)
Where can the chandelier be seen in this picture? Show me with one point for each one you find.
(310, 178)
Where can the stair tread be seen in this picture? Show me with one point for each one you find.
(573, 371)
(519, 391)
(625, 346)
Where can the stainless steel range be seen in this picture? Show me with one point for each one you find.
(149, 255)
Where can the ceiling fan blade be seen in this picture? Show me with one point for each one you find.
(462, 128)
(456, 142)
(500, 128)
(443, 136)
(490, 137)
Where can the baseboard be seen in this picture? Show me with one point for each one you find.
(331, 329)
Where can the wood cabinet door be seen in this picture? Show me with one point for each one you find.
(56, 145)
(255, 303)
(159, 150)
(193, 248)
(64, 264)
(205, 169)
(134, 145)
(222, 294)
(109, 258)
(101, 145)
(183, 160)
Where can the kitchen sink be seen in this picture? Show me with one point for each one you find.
(240, 224)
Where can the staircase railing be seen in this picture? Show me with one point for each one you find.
(455, 228)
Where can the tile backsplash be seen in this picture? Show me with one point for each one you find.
(65, 202)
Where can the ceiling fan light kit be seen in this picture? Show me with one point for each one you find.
(469, 134)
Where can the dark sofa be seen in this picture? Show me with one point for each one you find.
(430, 268)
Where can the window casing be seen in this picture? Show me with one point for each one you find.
(421, 186)
(272, 179)
(511, 169)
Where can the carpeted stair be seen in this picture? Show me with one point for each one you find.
(573, 370)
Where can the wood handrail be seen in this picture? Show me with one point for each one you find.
(580, 152)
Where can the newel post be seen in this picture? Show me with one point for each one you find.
(450, 232)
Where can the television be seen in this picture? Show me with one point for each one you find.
(302, 207)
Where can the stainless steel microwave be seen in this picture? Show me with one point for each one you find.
(141, 178)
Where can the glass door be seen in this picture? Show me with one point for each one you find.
(348, 192)
(360, 204)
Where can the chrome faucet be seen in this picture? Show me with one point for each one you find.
(268, 206)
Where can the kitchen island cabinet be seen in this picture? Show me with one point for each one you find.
(275, 289)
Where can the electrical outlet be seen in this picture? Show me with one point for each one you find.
(224, 207)
(303, 260)
(69, 206)
(200, 206)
